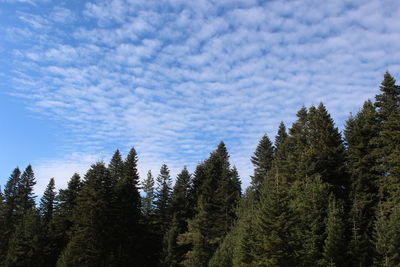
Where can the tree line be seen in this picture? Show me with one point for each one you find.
(317, 198)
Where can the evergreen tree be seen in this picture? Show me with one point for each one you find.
(25, 190)
(148, 199)
(173, 253)
(274, 227)
(325, 153)
(116, 166)
(214, 217)
(334, 251)
(48, 244)
(24, 245)
(8, 210)
(360, 133)
(127, 228)
(223, 256)
(309, 204)
(62, 222)
(280, 138)
(262, 161)
(90, 238)
(388, 112)
(47, 202)
(163, 198)
(388, 153)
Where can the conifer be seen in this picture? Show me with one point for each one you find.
(360, 133)
(163, 198)
(47, 202)
(148, 198)
(26, 197)
(90, 238)
(262, 161)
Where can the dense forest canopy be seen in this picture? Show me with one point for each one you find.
(317, 198)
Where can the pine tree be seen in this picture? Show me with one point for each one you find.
(274, 226)
(62, 222)
(262, 161)
(24, 245)
(309, 204)
(325, 153)
(90, 238)
(48, 246)
(214, 217)
(148, 199)
(127, 228)
(116, 166)
(388, 153)
(334, 250)
(243, 232)
(9, 210)
(223, 256)
(280, 138)
(163, 198)
(360, 133)
(47, 202)
(173, 253)
(25, 190)
(388, 112)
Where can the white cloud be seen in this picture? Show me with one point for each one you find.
(173, 78)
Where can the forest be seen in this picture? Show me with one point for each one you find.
(318, 197)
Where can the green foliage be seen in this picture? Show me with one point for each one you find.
(127, 209)
(218, 194)
(163, 199)
(24, 245)
(361, 132)
(90, 238)
(334, 249)
(47, 202)
(223, 256)
(148, 199)
(173, 252)
(309, 204)
(8, 210)
(26, 197)
(273, 227)
(262, 161)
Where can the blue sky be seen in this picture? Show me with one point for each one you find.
(79, 79)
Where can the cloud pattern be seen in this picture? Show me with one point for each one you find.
(172, 78)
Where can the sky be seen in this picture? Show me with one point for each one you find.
(172, 78)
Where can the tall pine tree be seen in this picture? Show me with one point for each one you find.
(360, 133)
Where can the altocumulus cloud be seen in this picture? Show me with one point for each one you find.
(173, 78)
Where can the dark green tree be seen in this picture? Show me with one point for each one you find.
(47, 202)
(62, 221)
(116, 166)
(325, 151)
(360, 133)
(127, 229)
(24, 246)
(388, 153)
(148, 198)
(388, 111)
(8, 212)
(173, 253)
(25, 190)
(334, 250)
(163, 198)
(217, 194)
(91, 235)
(262, 161)
(48, 243)
(273, 226)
